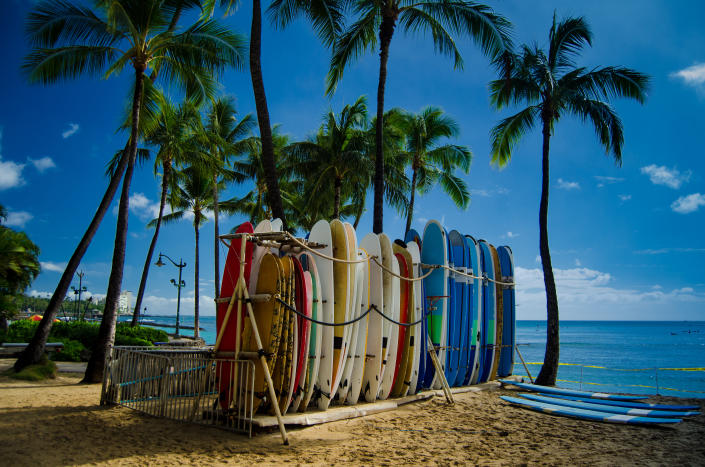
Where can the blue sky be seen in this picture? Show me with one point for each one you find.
(626, 242)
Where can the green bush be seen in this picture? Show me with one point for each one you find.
(72, 351)
(132, 341)
(22, 330)
(141, 332)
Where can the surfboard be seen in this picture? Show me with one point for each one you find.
(387, 302)
(269, 316)
(286, 364)
(506, 359)
(453, 319)
(277, 225)
(462, 286)
(401, 381)
(433, 251)
(593, 415)
(320, 233)
(391, 363)
(361, 347)
(341, 304)
(303, 305)
(417, 331)
(499, 307)
(413, 236)
(476, 311)
(257, 253)
(373, 356)
(489, 313)
(355, 287)
(635, 405)
(608, 408)
(231, 275)
(571, 392)
(315, 337)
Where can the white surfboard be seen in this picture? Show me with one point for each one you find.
(387, 261)
(361, 347)
(373, 357)
(277, 225)
(350, 335)
(393, 342)
(354, 354)
(257, 253)
(320, 233)
(415, 253)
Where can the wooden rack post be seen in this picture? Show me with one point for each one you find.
(434, 358)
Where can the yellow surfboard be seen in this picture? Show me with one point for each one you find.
(340, 304)
(500, 307)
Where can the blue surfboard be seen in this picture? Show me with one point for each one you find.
(634, 405)
(457, 245)
(475, 306)
(571, 392)
(594, 415)
(433, 251)
(454, 322)
(506, 358)
(413, 236)
(596, 405)
(489, 312)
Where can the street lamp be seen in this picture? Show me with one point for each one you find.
(178, 285)
(78, 291)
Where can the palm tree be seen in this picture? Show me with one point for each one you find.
(553, 86)
(326, 18)
(193, 195)
(432, 164)
(442, 18)
(336, 155)
(173, 135)
(70, 40)
(224, 137)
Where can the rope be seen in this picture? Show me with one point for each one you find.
(408, 279)
(471, 276)
(353, 321)
(330, 258)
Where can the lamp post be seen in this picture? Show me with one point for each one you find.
(77, 292)
(178, 285)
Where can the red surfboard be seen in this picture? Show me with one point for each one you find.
(231, 275)
(301, 299)
(403, 312)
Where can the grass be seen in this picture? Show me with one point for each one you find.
(45, 369)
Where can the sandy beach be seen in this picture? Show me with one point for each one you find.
(59, 422)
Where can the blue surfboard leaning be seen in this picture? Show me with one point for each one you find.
(454, 321)
(594, 415)
(422, 340)
(475, 306)
(506, 359)
(489, 313)
(462, 287)
(597, 405)
(634, 405)
(570, 392)
(433, 251)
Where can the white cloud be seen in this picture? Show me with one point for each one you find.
(144, 207)
(663, 251)
(566, 185)
(486, 193)
(625, 197)
(589, 294)
(40, 294)
(42, 164)
(50, 266)
(73, 128)
(167, 305)
(512, 235)
(662, 175)
(17, 219)
(688, 204)
(603, 180)
(10, 174)
(578, 263)
(692, 76)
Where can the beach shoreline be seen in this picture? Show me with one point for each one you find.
(60, 422)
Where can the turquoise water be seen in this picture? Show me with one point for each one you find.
(616, 345)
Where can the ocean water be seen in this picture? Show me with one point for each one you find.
(640, 357)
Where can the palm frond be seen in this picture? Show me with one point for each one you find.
(507, 133)
(607, 124)
(566, 39)
(455, 188)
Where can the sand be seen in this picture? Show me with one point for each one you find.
(59, 422)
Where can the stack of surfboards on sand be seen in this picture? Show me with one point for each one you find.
(598, 406)
(354, 315)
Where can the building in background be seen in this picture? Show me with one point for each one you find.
(125, 303)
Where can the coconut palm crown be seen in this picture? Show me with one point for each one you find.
(552, 86)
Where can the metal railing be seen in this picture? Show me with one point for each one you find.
(187, 385)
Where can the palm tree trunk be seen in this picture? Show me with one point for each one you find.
(549, 370)
(33, 352)
(338, 184)
(386, 31)
(410, 212)
(216, 249)
(274, 199)
(195, 282)
(152, 245)
(106, 332)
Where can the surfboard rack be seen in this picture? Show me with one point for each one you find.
(241, 295)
